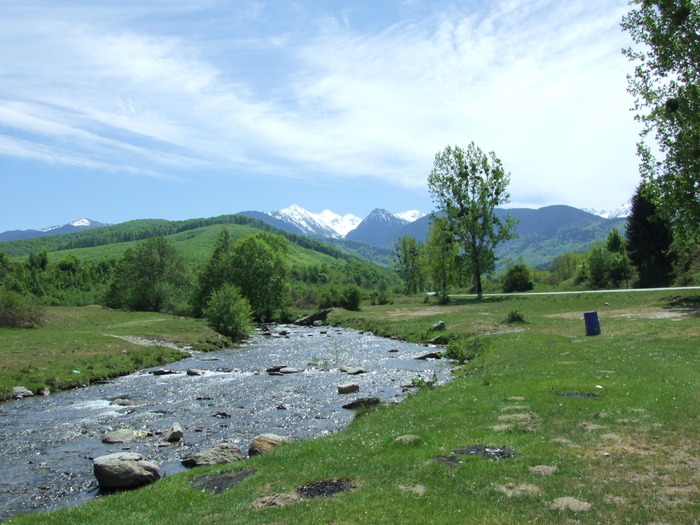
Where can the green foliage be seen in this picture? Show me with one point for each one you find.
(150, 277)
(648, 242)
(517, 279)
(464, 349)
(259, 268)
(607, 265)
(442, 257)
(406, 260)
(229, 313)
(215, 274)
(514, 317)
(666, 87)
(18, 311)
(468, 185)
(565, 267)
(352, 296)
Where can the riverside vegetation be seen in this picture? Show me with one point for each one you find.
(600, 429)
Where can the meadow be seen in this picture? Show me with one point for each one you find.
(542, 425)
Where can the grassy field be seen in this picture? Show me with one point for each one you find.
(602, 429)
(77, 346)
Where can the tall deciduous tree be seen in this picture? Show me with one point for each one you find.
(150, 277)
(648, 241)
(406, 260)
(467, 186)
(442, 256)
(666, 86)
(260, 270)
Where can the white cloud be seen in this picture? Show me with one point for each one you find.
(541, 82)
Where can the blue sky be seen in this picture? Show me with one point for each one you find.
(119, 109)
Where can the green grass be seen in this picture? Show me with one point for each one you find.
(87, 340)
(632, 453)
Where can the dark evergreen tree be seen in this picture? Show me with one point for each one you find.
(648, 240)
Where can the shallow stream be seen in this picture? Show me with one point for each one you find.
(47, 443)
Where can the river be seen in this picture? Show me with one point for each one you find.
(48, 442)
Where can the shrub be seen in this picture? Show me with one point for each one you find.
(463, 350)
(17, 311)
(229, 313)
(351, 297)
(517, 279)
(514, 317)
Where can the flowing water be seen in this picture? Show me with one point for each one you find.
(47, 443)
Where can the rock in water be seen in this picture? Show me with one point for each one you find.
(312, 319)
(175, 433)
(264, 443)
(348, 388)
(124, 470)
(363, 402)
(224, 453)
(19, 392)
(122, 435)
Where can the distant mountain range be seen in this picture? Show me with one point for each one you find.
(72, 227)
(543, 233)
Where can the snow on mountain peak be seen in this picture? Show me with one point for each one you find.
(342, 224)
(618, 213)
(330, 224)
(410, 215)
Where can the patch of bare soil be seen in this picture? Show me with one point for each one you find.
(418, 490)
(570, 503)
(591, 427)
(326, 487)
(544, 470)
(513, 490)
(514, 407)
(636, 313)
(218, 483)
(515, 417)
(143, 341)
(276, 500)
(669, 475)
(427, 312)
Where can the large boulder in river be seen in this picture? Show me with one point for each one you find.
(124, 470)
(311, 319)
(224, 453)
(264, 443)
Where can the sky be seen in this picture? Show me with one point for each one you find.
(118, 110)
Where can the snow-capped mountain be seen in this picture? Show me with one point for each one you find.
(618, 213)
(378, 228)
(342, 224)
(410, 215)
(330, 224)
(308, 223)
(71, 227)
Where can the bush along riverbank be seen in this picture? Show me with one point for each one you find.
(542, 425)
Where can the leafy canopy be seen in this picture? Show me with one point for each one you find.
(467, 186)
(666, 87)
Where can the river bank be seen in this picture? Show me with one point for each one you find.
(221, 396)
(571, 428)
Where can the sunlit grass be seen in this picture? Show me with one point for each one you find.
(612, 420)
